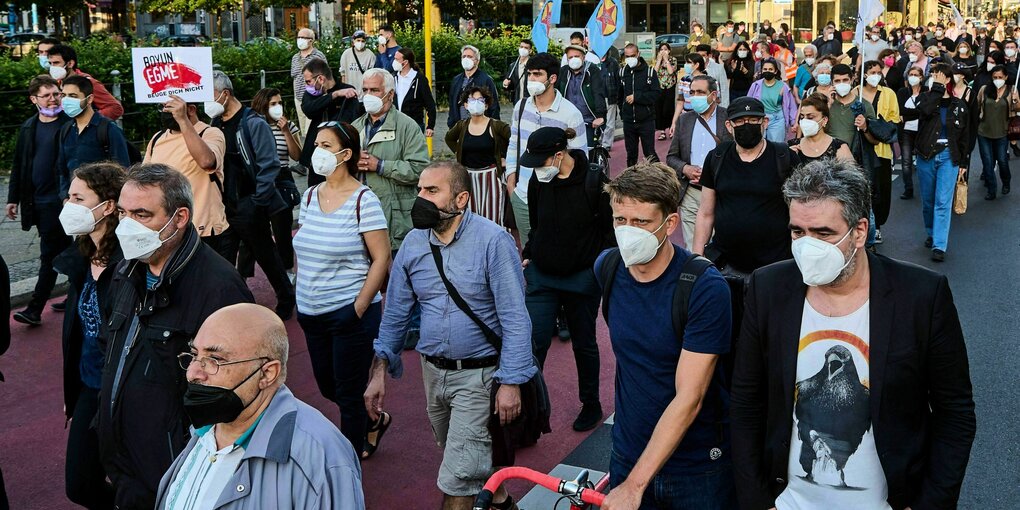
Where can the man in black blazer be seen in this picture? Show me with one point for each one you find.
(851, 387)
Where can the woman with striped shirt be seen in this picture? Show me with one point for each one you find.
(343, 254)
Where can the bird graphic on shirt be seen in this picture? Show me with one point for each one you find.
(833, 416)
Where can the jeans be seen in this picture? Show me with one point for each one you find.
(936, 178)
(252, 226)
(340, 347)
(907, 139)
(994, 150)
(643, 131)
(579, 295)
(612, 121)
(776, 132)
(52, 241)
(84, 477)
(713, 489)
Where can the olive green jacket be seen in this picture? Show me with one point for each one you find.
(400, 145)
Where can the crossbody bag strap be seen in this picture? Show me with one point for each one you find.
(704, 124)
(520, 115)
(490, 335)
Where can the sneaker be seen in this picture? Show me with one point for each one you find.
(28, 316)
(60, 306)
(938, 255)
(878, 236)
(589, 417)
(562, 330)
(907, 195)
(928, 242)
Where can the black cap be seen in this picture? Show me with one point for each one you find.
(542, 144)
(745, 107)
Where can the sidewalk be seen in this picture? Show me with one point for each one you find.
(20, 249)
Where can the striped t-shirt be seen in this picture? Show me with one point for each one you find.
(562, 114)
(331, 255)
(281, 139)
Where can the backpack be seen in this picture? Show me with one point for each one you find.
(103, 137)
(212, 177)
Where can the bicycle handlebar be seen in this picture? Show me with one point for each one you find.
(564, 487)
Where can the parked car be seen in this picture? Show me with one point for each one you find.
(23, 44)
(677, 43)
(185, 40)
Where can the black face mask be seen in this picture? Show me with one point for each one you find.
(747, 135)
(208, 405)
(425, 214)
(768, 75)
(168, 121)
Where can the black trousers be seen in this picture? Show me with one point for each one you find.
(225, 243)
(643, 131)
(340, 347)
(907, 139)
(52, 241)
(84, 477)
(665, 107)
(282, 224)
(252, 227)
(881, 191)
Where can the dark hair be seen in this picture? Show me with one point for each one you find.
(175, 187)
(570, 133)
(460, 179)
(260, 103)
(781, 42)
(105, 179)
(349, 139)
(83, 83)
(744, 45)
(841, 70)
(577, 35)
(544, 62)
(870, 64)
(48, 40)
(819, 102)
(697, 60)
(651, 183)
(408, 55)
(387, 27)
(703, 47)
(65, 52)
(529, 42)
(666, 44)
(772, 61)
(999, 68)
(470, 91)
(887, 52)
(318, 66)
(37, 83)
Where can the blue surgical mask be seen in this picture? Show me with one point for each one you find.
(688, 68)
(700, 104)
(72, 106)
(823, 79)
(44, 61)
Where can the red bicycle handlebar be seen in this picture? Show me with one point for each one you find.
(484, 500)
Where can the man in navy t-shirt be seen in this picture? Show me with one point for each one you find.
(671, 445)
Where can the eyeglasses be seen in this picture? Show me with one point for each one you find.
(747, 120)
(52, 95)
(208, 365)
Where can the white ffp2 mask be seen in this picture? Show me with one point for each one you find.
(820, 262)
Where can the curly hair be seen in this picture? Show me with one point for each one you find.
(105, 179)
(484, 91)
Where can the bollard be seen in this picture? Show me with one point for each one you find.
(262, 77)
(116, 93)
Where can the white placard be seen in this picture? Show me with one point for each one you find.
(162, 72)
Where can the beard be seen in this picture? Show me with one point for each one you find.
(451, 213)
(850, 270)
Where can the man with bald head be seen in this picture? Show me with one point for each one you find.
(306, 51)
(253, 443)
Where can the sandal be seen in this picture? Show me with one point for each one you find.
(379, 428)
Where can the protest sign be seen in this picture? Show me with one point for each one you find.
(162, 72)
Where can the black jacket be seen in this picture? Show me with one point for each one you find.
(643, 84)
(21, 190)
(141, 421)
(75, 266)
(592, 88)
(611, 78)
(479, 79)
(324, 108)
(419, 100)
(920, 401)
(514, 92)
(930, 127)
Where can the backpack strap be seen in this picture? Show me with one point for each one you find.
(693, 268)
(103, 134)
(593, 188)
(156, 137)
(607, 273)
(311, 190)
(520, 115)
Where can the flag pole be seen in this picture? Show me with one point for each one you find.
(428, 56)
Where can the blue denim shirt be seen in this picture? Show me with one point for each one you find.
(77, 149)
(483, 265)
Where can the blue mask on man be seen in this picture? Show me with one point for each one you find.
(44, 61)
(700, 104)
(72, 106)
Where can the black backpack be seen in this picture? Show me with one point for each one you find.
(103, 137)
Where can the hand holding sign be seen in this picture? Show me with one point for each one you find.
(178, 108)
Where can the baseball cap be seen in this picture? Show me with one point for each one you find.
(542, 144)
(359, 34)
(744, 107)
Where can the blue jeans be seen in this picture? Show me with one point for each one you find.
(936, 179)
(776, 132)
(713, 489)
(993, 150)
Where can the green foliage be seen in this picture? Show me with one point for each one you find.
(187, 6)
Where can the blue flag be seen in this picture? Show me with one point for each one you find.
(605, 25)
(548, 15)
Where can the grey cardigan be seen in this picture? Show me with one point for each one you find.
(296, 458)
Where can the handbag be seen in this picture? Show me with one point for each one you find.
(1013, 127)
(960, 196)
(535, 406)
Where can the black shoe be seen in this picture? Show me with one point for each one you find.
(990, 195)
(59, 307)
(1016, 150)
(907, 195)
(589, 417)
(562, 330)
(928, 242)
(938, 255)
(28, 316)
(1005, 189)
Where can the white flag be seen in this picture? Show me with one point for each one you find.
(866, 13)
(958, 18)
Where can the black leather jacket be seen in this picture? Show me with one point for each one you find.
(929, 130)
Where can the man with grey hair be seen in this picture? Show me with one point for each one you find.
(696, 133)
(473, 76)
(306, 51)
(250, 167)
(167, 285)
(240, 427)
(851, 387)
